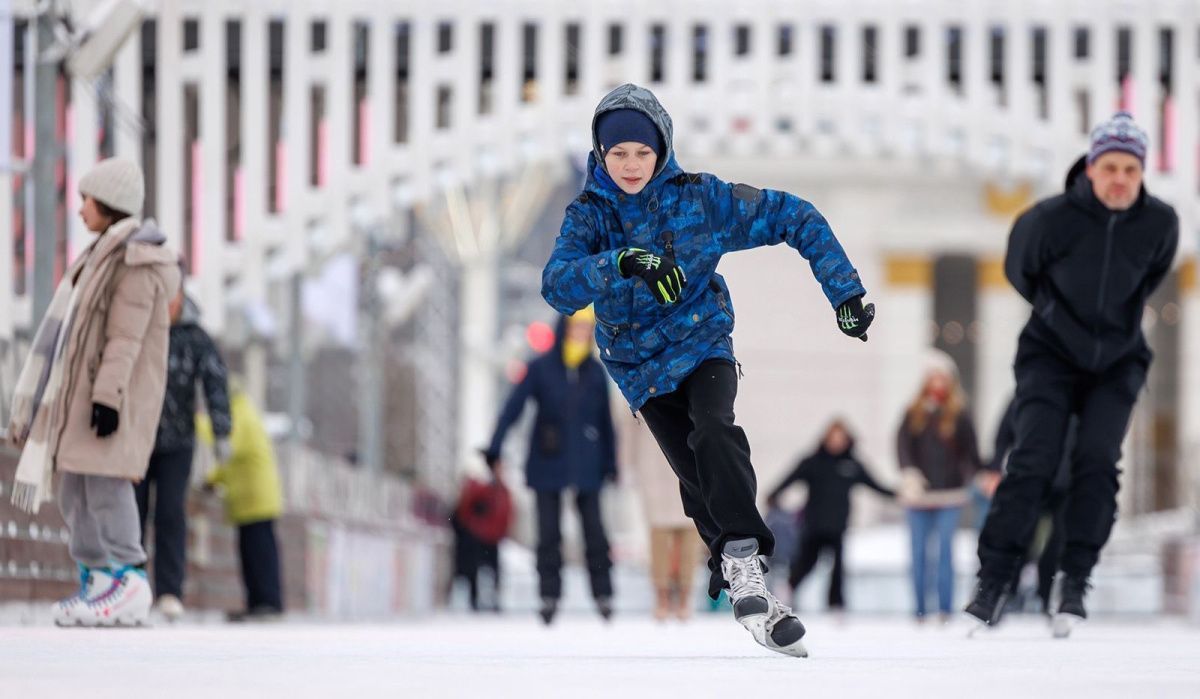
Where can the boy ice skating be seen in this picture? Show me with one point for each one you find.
(88, 399)
(1087, 260)
(642, 242)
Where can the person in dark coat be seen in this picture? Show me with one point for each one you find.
(192, 357)
(830, 472)
(480, 521)
(1087, 260)
(571, 447)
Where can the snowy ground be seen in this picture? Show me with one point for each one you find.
(512, 656)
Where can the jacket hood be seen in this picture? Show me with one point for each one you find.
(190, 314)
(148, 246)
(630, 96)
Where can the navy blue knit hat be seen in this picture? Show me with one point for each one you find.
(1119, 133)
(621, 125)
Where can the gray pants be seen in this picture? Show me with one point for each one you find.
(102, 515)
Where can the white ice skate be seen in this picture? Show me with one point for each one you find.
(753, 606)
(770, 622)
(126, 603)
(1064, 624)
(1071, 613)
(71, 611)
(169, 607)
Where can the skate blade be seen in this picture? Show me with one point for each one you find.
(975, 626)
(1064, 624)
(796, 650)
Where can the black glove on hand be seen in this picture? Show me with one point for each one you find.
(853, 318)
(491, 458)
(663, 277)
(104, 420)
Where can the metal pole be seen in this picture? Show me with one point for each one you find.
(46, 150)
(370, 413)
(296, 375)
(7, 61)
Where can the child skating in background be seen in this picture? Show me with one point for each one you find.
(250, 485)
(642, 242)
(88, 399)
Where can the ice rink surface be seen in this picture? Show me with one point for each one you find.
(511, 656)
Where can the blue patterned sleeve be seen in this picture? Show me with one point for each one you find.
(580, 269)
(750, 218)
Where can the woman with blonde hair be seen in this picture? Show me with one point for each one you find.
(938, 456)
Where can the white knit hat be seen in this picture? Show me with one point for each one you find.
(935, 360)
(116, 183)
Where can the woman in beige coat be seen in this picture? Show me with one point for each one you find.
(675, 547)
(101, 351)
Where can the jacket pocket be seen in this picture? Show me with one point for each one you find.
(704, 314)
(549, 439)
(615, 342)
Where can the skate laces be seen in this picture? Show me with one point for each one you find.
(104, 597)
(782, 611)
(745, 577)
(120, 581)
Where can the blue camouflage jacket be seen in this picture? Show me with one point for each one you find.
(650, 349)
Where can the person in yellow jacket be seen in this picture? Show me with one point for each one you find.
(249, 481)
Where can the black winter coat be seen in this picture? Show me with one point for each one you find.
(830, 478)
(1088, 271)
(192, 357)
(572, 444)
(946, 464)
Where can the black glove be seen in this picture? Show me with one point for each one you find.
(663, 277)
(491, 458)
(853, 318)
(104, 420)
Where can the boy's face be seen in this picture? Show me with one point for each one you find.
(630, 165)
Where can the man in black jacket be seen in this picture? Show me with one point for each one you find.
(1087, 260)
(831, 472)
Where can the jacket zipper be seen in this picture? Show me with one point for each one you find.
(1108, 233)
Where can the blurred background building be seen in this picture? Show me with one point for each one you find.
(365, 192)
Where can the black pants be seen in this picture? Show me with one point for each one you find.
(470, 557)
(549, 546)
(808, 551)
(694, 426)
(168, 475)
(260, 566)
(1049, 390)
